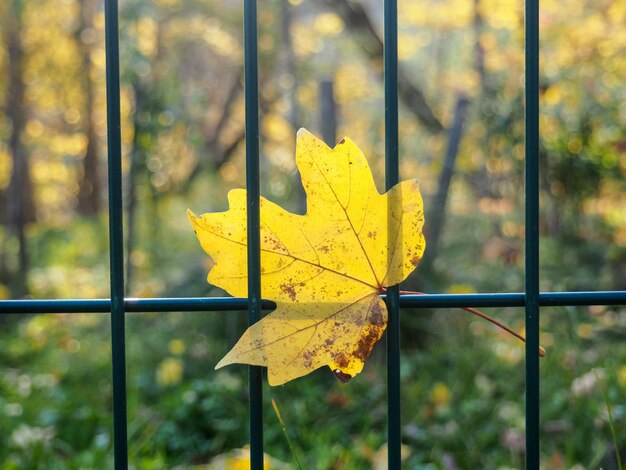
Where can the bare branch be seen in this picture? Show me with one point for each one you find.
(358, 21)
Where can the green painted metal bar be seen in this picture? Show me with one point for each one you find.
(116, 236)
(532, 233)
(28, 307)
(556, 299)
(394, 422)
(251, 81)
(546, 299)
(228, 304)
(194, 304)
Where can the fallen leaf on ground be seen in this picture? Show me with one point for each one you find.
(325, 269)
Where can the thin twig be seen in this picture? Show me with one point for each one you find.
(484, 316)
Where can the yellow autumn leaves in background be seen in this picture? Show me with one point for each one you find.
(170, 370)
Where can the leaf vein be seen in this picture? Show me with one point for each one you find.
(345, 211)
(295, 258)
(300, 330)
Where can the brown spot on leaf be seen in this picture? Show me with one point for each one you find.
(274, 244)
(371, 234)
(372, 333)
(340, 359)
(377, 316)
(342, 141)
(415, 260)
(307, 359)
(343, 378)
(289, 290)
(366, 343)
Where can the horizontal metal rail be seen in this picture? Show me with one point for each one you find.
(221, 304)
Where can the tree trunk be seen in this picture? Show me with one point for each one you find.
(19, 204)
(328, 113)
(217, 154)
(438, 205)
(479, 50)
(89, 202)
(358, 21)
(288, 59)
(137, 167)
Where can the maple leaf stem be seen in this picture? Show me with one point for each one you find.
(484, 316)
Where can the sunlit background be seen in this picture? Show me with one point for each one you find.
(461, 76)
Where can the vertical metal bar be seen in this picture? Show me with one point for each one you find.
(253, 215)
(532, 232)
(116, 234)
(391, 178)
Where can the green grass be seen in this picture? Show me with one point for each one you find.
(462, 395)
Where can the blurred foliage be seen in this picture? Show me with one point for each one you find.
(458, 407)
(182, 131)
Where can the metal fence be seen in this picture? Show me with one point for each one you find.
(531, 299)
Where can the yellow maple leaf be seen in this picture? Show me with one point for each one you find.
(325, 269)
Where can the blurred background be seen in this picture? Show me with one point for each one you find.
(461, 135)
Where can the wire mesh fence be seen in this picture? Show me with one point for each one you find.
(118, 305)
